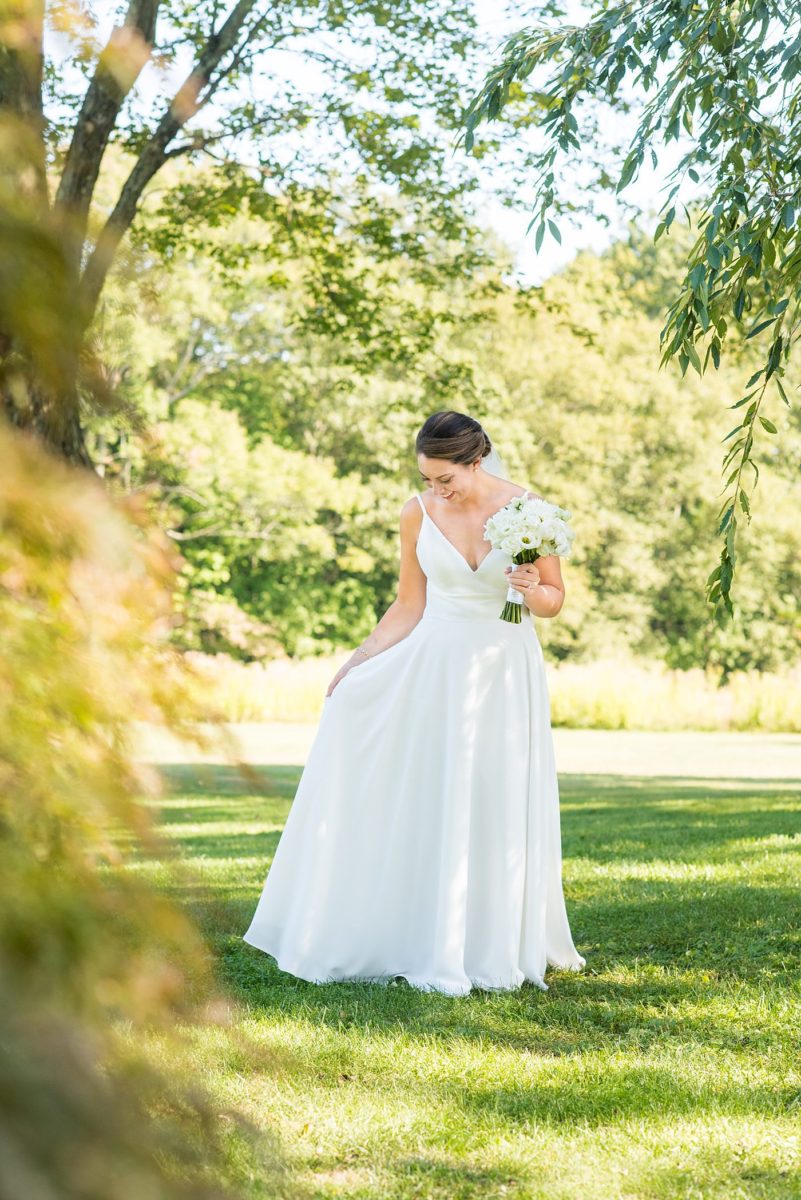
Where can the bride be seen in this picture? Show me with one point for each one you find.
(424, 837)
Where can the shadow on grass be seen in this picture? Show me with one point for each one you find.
(609, 818)
(714, 1167)
(604, 818)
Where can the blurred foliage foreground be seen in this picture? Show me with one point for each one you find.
(90, 956)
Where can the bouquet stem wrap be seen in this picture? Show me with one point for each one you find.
(513, 608)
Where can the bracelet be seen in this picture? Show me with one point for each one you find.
(359, 650)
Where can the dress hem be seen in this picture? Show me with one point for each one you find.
(422, 985)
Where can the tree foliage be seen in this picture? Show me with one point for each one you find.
(93, 958)
(264, 413)
(204, 82)
(283, 450)
(721, 80)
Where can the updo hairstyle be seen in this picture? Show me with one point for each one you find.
(453, 436)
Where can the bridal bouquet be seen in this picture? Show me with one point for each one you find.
(528, 528)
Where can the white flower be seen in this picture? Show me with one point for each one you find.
(530, 524)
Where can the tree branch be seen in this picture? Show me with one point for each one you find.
(261, 535)
(201, 141)
(119, 65)
(189, 98)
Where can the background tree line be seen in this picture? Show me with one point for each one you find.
(276, 427)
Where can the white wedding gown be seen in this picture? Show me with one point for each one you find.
(424, 837)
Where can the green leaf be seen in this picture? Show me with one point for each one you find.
(692, 354)
(730, 547)
(782, 392)
(733, 450)
(726, 571)
(629, 167)
(696, 276)
(766, 424)
(762, 325)
(726, 518)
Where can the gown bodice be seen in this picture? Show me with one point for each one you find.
(454, 589)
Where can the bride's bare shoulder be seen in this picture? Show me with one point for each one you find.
(526, 492)
(411, 511)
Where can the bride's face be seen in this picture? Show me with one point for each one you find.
(449, 480)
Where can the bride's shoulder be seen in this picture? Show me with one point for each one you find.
(412, 508)
(526, 492)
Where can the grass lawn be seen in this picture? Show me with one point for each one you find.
(669, 1068)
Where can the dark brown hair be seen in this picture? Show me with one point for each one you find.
(453, 436)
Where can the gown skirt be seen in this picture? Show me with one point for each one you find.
(424, 836)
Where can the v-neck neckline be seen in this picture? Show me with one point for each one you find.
(472, 570)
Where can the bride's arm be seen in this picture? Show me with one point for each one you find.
(540, 584)
(407, 608)
(548, 595)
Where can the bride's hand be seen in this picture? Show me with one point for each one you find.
(523, 576)
(341, 673)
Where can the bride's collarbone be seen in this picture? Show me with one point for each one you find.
(436, 510)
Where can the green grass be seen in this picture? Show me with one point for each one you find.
(669, 1068)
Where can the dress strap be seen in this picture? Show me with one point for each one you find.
(420, 498)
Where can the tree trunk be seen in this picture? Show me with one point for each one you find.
(54, 420)
(52, 415)
(49, 407)
(63, 437)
